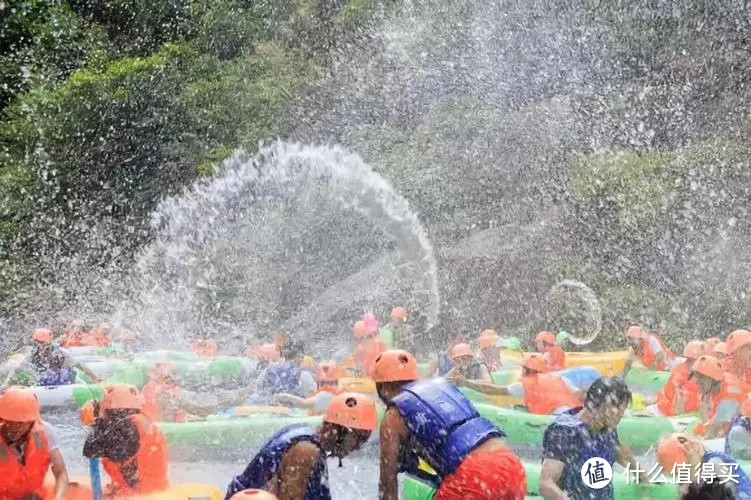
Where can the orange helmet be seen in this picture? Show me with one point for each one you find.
(674, 450)
(327, 372)
(694, 349)
(352, 410)
(253, 494)
(394, 365)
(746, 406)
(19, 405)
(709, 366)
(535, 361)
(635, 332)
(548, 337)
(737, 339)
(399, 313)
(720, 348)
(122, 397)
(488, 338)
(206, 348)
(42, 335)
(89, 413)
(360, 330)
(460, 350)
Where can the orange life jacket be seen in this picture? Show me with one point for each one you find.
(733, 389)
(546, 392)
(557, 358)
(679, 387)
(367, 352)
(151, 460)
(152, 392)
(17, 480)
(73, 338)
(648, 356)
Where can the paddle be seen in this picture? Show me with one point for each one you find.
(96, 478)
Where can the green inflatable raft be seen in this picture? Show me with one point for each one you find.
(414, 488)
(639, 433)
(646, 381)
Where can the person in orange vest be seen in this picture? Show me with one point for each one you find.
(28, 448)
(432, 421)
(165, 401)
(467, 366)
(721, 396)
(327, 376)
(739, 354)
(544, 392)
(681, 394)
(649, 349)
(205, 348)
(75, 334)
(132, 448)
(489, 352)
(99, 336)
(555, 356)
(369, 346)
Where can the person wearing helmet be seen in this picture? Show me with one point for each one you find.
(575, 436)
(28, 448)
(286, 377)
(467, 366)
(398, 333)
(205, 348)
(647, 348)
(327, 376)
(739, 354)
(489, 352)
(431, 420)
(50, 362)
(132, 448)
(544, 392)
(721, 396)
(74, 336)
(709, 345)
(292, 463)
(369, 344)
(166, 401)
(738, 439)
(99, 336)
(680, 449)
(442, 364)
(554, 355)
(681, 394)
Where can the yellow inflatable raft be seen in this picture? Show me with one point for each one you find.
(606, 363)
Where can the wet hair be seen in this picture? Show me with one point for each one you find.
(708, 491)
(607, 391)
(293, 350)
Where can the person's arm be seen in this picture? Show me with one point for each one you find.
(477, 385)
(60, 472)
(550, 474)
(297, 465)
(87, 371)
(392, 433)
(626, 457)
(296, 401)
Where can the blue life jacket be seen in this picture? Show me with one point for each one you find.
(444, 364)
(738, 421)
(282, 378)
(587, 444)
(743, 487)
(267, 464)
(443, 422)
(63, 376)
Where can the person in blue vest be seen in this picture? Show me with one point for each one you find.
(432, 421)
(288, 376)
(443, 363)
(738, 439)
(52, 364)
(679, 451)
(579, 434)
(292, 463)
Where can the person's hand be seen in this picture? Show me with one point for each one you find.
(456, 377)
(283, 398)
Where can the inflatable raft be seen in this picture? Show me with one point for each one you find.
(639, 433)
(79, 488)
(414, 488)
(646, 381)
(606, 363)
